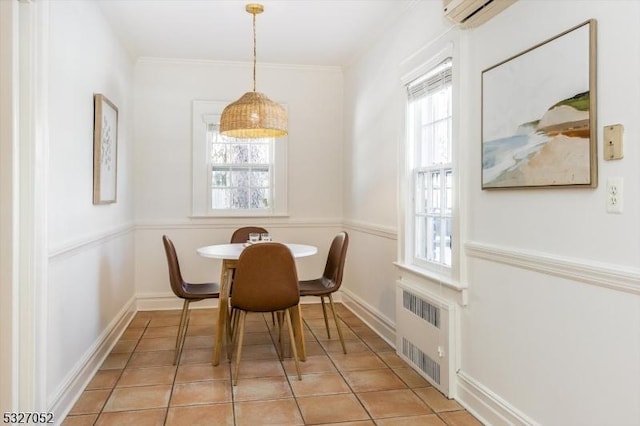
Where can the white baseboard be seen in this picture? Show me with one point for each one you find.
(487, 406)
(71, 389)
(484, 404)
(168, 301)
(376, 321)
(78, 378)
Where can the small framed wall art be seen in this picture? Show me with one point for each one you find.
(539, 115)
(105, 150)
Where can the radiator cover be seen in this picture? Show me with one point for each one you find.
(425, 338)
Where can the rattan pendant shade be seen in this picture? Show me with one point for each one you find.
(254, 115)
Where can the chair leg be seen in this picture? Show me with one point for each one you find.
(231, 331)
(229, 339)
(294, 350)
(324, 313)
(230, 321)
(184, 306)
(280, 315)
(298, 331)
(335, 318)
(243, 317)
(182, 330)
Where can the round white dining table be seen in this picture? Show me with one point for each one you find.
(232, 251)
(229, 254)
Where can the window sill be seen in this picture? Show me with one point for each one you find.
(445, 280)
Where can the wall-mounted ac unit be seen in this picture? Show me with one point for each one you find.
(471, 13)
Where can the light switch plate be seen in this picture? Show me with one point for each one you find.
(612, 145)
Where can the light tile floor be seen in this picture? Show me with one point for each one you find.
(138, 385)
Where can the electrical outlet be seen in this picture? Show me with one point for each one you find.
(614, 195)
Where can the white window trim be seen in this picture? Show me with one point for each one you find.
(415, 66)
(203, 113)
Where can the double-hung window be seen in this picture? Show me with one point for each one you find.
(240, 172)
(235, 176)
(430, 143)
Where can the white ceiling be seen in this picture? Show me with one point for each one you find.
(307, 32)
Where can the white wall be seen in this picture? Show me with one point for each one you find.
(90, 269)
(374, 125)
(536, 347)
(547, 336)
(532, 338)
(164, 91)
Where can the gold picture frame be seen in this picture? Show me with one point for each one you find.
(539, 115)
(105, 150)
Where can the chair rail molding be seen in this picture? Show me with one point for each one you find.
(78, 245)
(614, 277)
(388, 232)
(230, 223)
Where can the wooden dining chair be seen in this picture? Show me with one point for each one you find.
(330, 281)
(189, 292)
(241, 235)
(266, 280)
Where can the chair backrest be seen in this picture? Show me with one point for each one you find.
(175, 276)
(241, 235)
(335, 260)
(266, 279)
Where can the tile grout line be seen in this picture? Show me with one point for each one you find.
(353, 392)
(115, 384)
(315, 333)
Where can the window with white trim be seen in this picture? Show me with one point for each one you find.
(430, 143)
(235, 176)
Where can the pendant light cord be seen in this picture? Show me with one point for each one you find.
(254, 51)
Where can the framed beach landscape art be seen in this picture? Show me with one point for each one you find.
(539, 115)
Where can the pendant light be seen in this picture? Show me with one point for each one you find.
(254, 115)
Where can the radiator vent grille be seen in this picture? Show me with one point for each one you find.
(421, 360)
(421, 308)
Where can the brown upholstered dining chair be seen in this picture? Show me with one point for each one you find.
(266, 280)
(241, 235)
(330, 281)
(189, 292)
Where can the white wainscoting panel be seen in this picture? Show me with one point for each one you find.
(382, 325)
(77, 379)
(495, 410)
